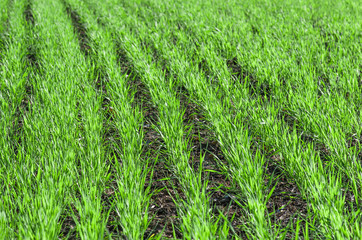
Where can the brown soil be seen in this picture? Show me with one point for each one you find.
(239, 74)
(162, 209)
(286, 203)
(80, 29)
(29, 17)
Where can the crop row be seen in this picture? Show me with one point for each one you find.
(279, 101)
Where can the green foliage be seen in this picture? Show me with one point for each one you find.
(278, 83)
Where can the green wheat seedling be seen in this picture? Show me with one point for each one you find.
(4, 15)
(217, 70)
(172, 131)
(214, 104)
(278, 84)
(131, 199)
(244, 168)
(13, 72)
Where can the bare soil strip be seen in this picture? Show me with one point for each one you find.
(29, 13)
(241, 75)
(80, 29)
(162, 208)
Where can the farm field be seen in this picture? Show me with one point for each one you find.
(172, 119)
